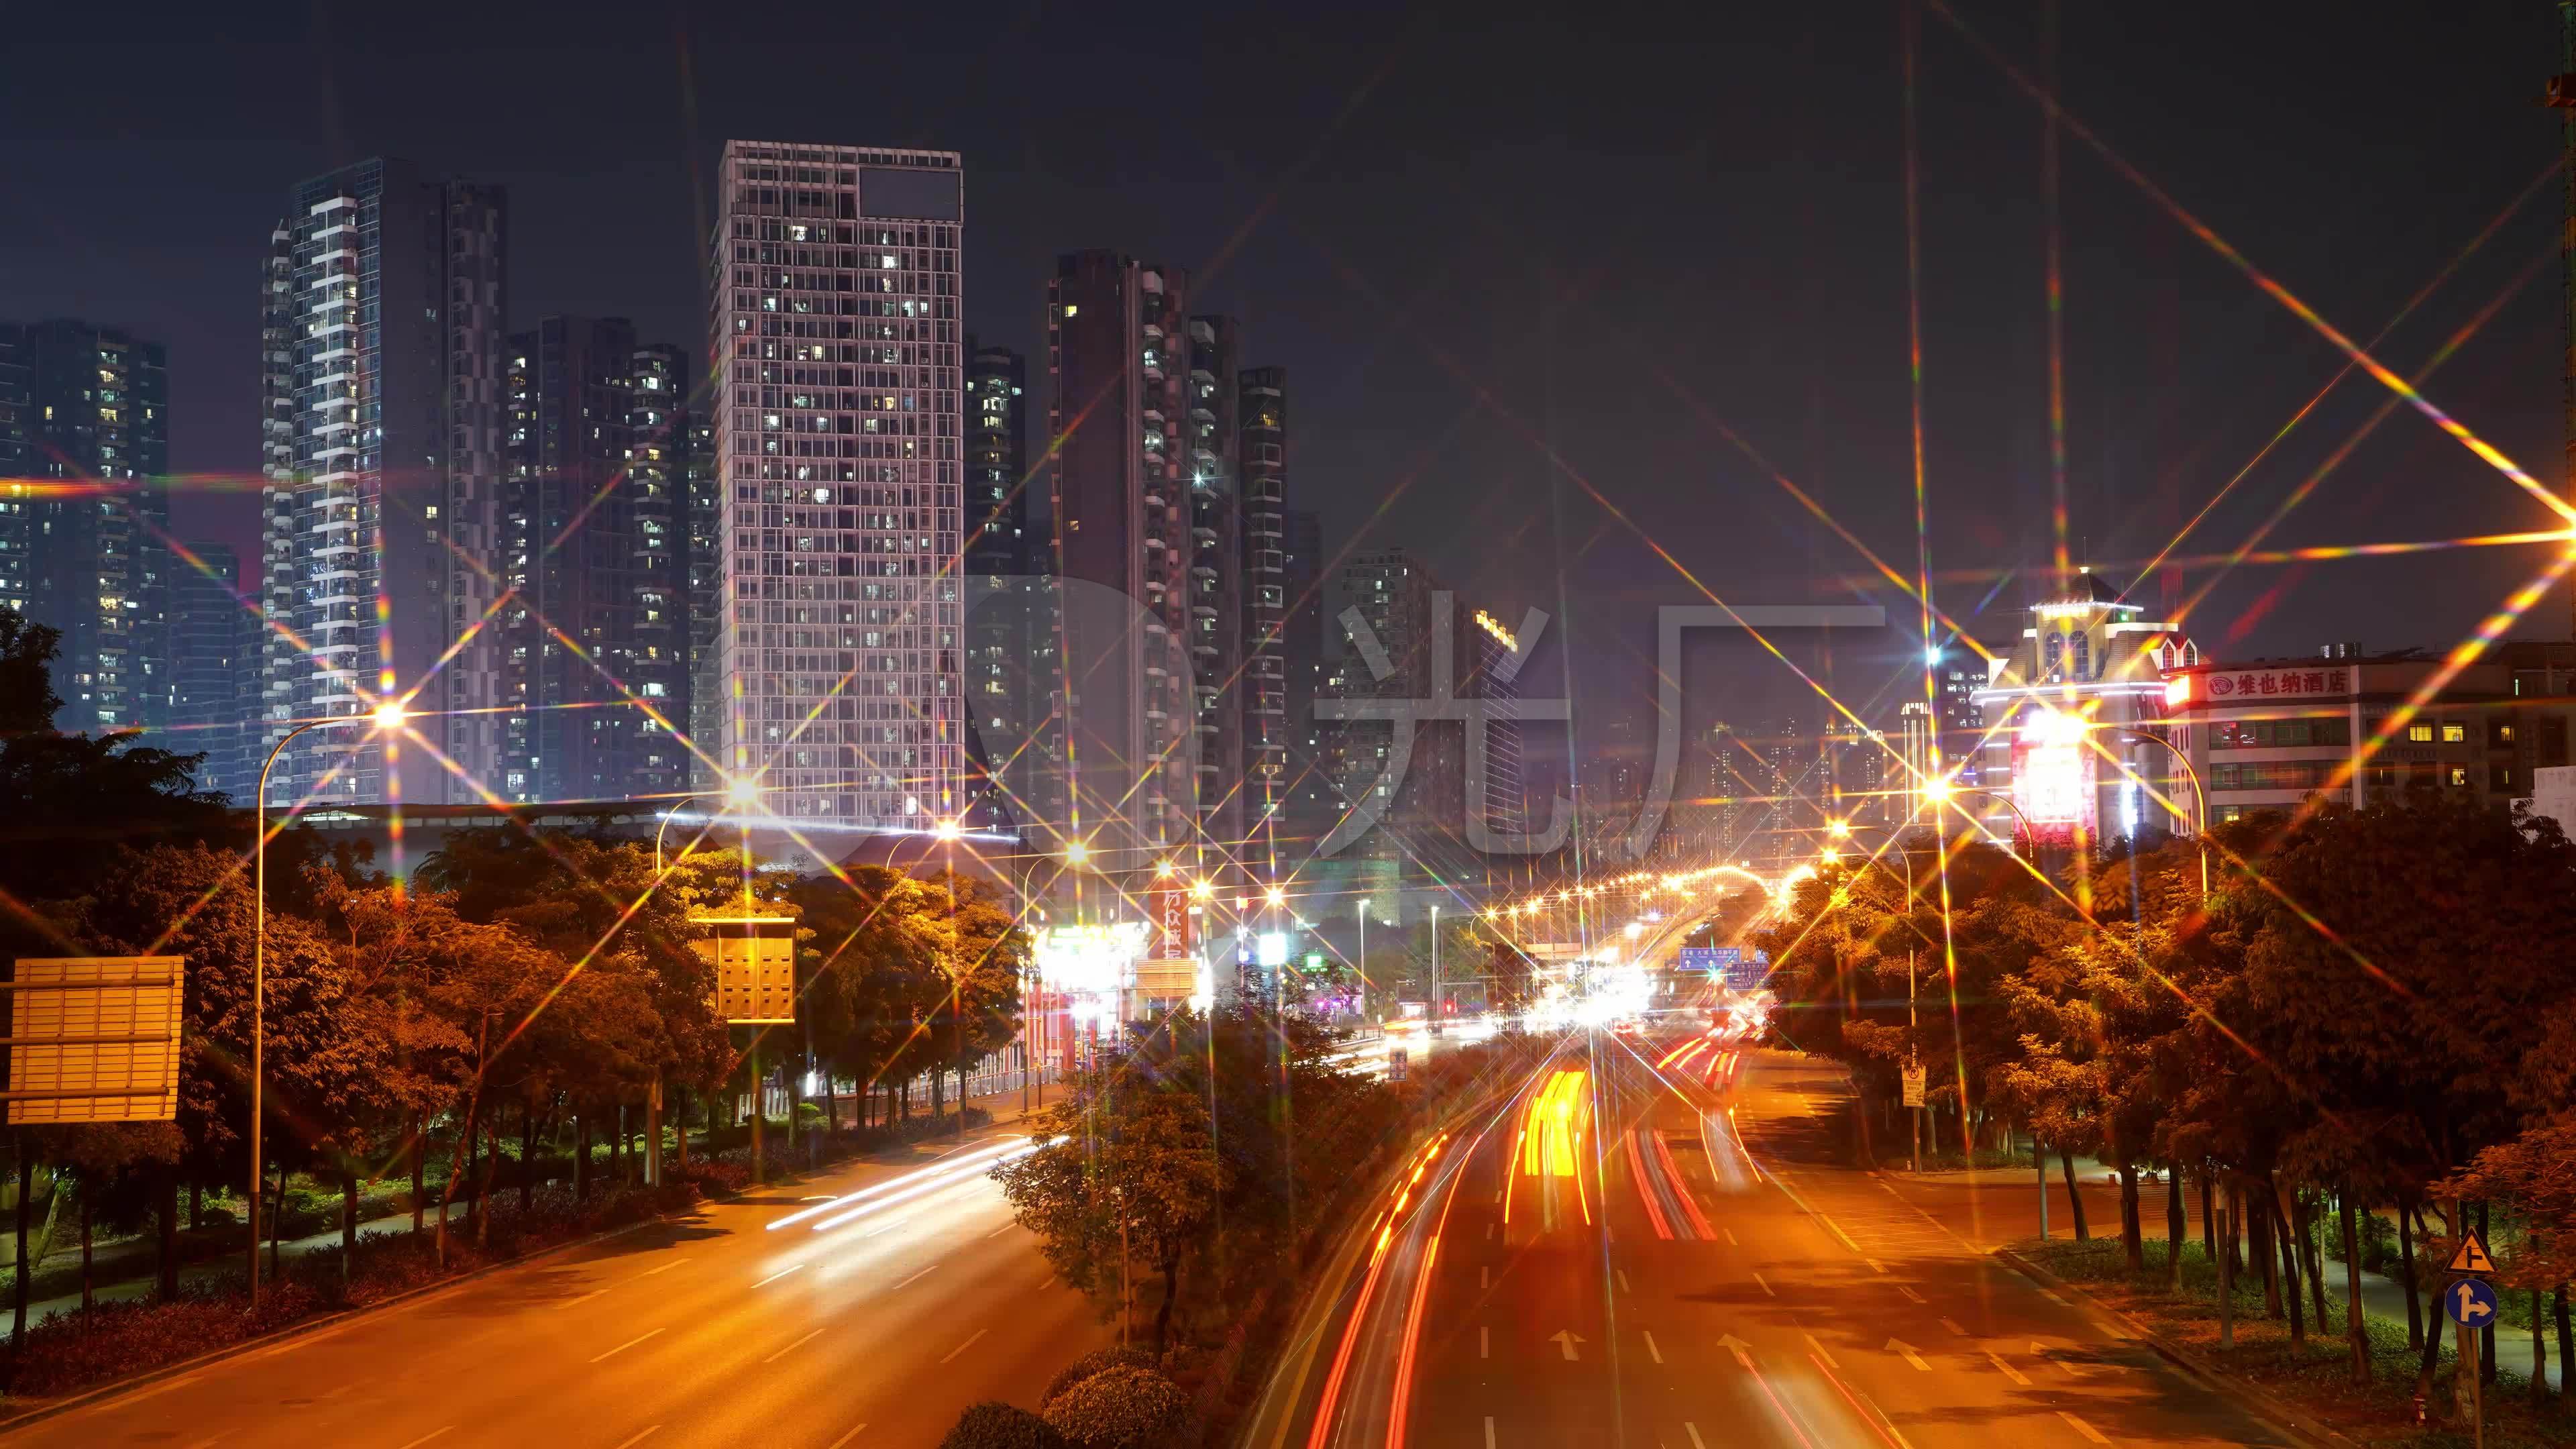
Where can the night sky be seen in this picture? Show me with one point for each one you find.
(1521, 269)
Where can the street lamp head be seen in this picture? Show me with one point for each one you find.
(1077, 853)
(945, 830)
(1939, 789)
(1201, 890)
(390, 715)
(1163, 868)
(1838, 828)
(742, 794)
(1278, 897)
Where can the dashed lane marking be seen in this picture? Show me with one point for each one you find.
(2087, 1430)
(969, 1343)
(791, 1348)
(630, 1343)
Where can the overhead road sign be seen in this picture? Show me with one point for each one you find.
(755, 962)
(93, 1038)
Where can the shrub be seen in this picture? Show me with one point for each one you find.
(1122, 1408)
(995, 1425)
(1119, 1356)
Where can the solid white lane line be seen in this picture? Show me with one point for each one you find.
(915, 1278)
(1767, 1288)
(630, 1343)
(585, 1298)
(640, 1438)
(425, 1438)
(846, 1438)
(2087, 1430)
(969, 1343)
(1650, 1345)
(781, 1273)
(784, 1352)
(2010, 1372)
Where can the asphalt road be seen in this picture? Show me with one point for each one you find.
(714, 1330)
(1616, 1256)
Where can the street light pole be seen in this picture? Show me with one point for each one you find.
(1364, 910)
(1436, 1012)
(2199, 796)
(384, 717)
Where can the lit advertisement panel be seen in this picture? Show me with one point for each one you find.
(2053, 785)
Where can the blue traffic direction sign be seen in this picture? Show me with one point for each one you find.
(2470, 1302)
(1732, 967)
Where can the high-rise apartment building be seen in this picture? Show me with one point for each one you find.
(216, 638)
(83, 404)
(1262, 463)
(1306, 792)
(836, 385)
(1009, 641)
(1121, 437)
(595, 641)
(1432, 820)
(704, 572)
(1211, 438)
(381, 358)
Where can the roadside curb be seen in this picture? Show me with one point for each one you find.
(2270, 1407)
(118, 1388)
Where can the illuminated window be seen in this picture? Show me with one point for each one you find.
(2459, 774)
(2453, 734)
(2421, 734)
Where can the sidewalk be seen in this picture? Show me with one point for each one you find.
(1004, 1107)
(1991, 1208)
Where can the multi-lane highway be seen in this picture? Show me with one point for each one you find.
(1620, 1255)
(862, 1308)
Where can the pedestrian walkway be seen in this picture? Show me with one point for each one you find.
(1004, 1107)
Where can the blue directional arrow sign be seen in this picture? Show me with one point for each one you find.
(2470, 1302)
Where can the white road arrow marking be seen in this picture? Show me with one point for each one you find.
(1900, 1346)
(1566, 1339)
(1737, 1346)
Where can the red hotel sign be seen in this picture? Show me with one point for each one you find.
(2242, 685)
(1171, 925)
